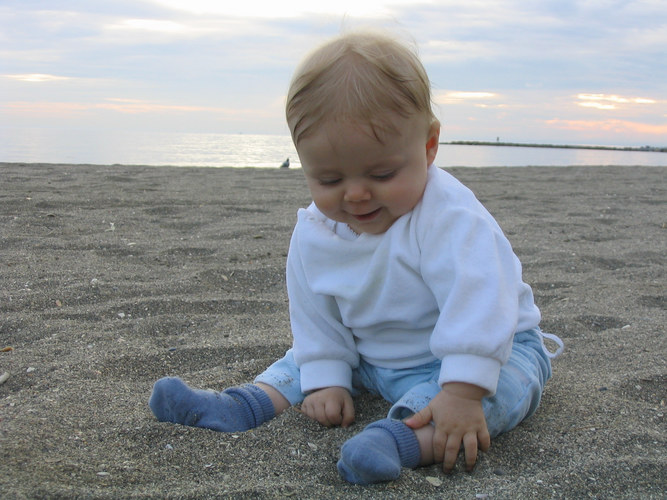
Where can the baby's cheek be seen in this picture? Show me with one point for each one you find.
(406, 201)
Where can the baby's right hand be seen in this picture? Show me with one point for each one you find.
(330, 406)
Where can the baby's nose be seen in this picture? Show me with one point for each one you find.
(357, 191)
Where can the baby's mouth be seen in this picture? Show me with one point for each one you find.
(366, 217)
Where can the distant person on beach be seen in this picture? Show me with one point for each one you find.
(399, 282)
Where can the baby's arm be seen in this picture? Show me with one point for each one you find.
(459, 418)
(330, 406)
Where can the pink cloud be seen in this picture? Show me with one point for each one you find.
(615, 126)
(120, 105)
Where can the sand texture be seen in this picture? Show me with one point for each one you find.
(114, 276)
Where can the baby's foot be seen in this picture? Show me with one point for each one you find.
(378, 452)
(234, 410)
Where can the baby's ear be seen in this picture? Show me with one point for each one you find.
(432, 142)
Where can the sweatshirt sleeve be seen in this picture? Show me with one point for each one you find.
(324, 349)
(470, 267)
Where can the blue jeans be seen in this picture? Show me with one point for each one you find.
(518, 395)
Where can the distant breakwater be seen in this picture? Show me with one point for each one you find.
(557, 146)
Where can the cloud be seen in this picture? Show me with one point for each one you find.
(471, 98)
(494, 64)
(465, 96)
(129, 106)
(36, 78)
(618, 127)
(596, 105)
(615, 99)
(150, 25)
(612, 102)
(283, 9)
(136, 112)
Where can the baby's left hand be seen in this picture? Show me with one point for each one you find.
(459, 418)
(330, 406)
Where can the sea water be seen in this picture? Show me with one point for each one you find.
(47, 145)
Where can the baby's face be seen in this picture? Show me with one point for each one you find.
(356, 179)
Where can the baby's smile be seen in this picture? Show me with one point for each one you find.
(367, 216)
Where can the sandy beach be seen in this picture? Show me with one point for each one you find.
(114, 276)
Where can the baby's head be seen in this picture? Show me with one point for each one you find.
(358, 77)
(359, 110)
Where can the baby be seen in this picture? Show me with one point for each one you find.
(399, 282)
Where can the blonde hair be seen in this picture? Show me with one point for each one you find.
(359, 76)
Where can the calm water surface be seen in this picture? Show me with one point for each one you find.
(33, 145)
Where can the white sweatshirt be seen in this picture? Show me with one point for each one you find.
(442, 282)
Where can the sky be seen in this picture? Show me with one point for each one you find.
(540, 71)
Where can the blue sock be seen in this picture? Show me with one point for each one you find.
(378, 452)
(236, 409)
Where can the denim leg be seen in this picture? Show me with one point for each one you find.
(520, 385)
(415, 400)
(284, 376)
(412, 388)
(519, 391)
(393, 384)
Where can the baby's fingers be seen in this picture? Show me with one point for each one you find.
(348, 414)
(420, 419)
(470, 445)
(338, 414)
(439, 445)
(484, 439)
(331, 415)
(451, 452)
